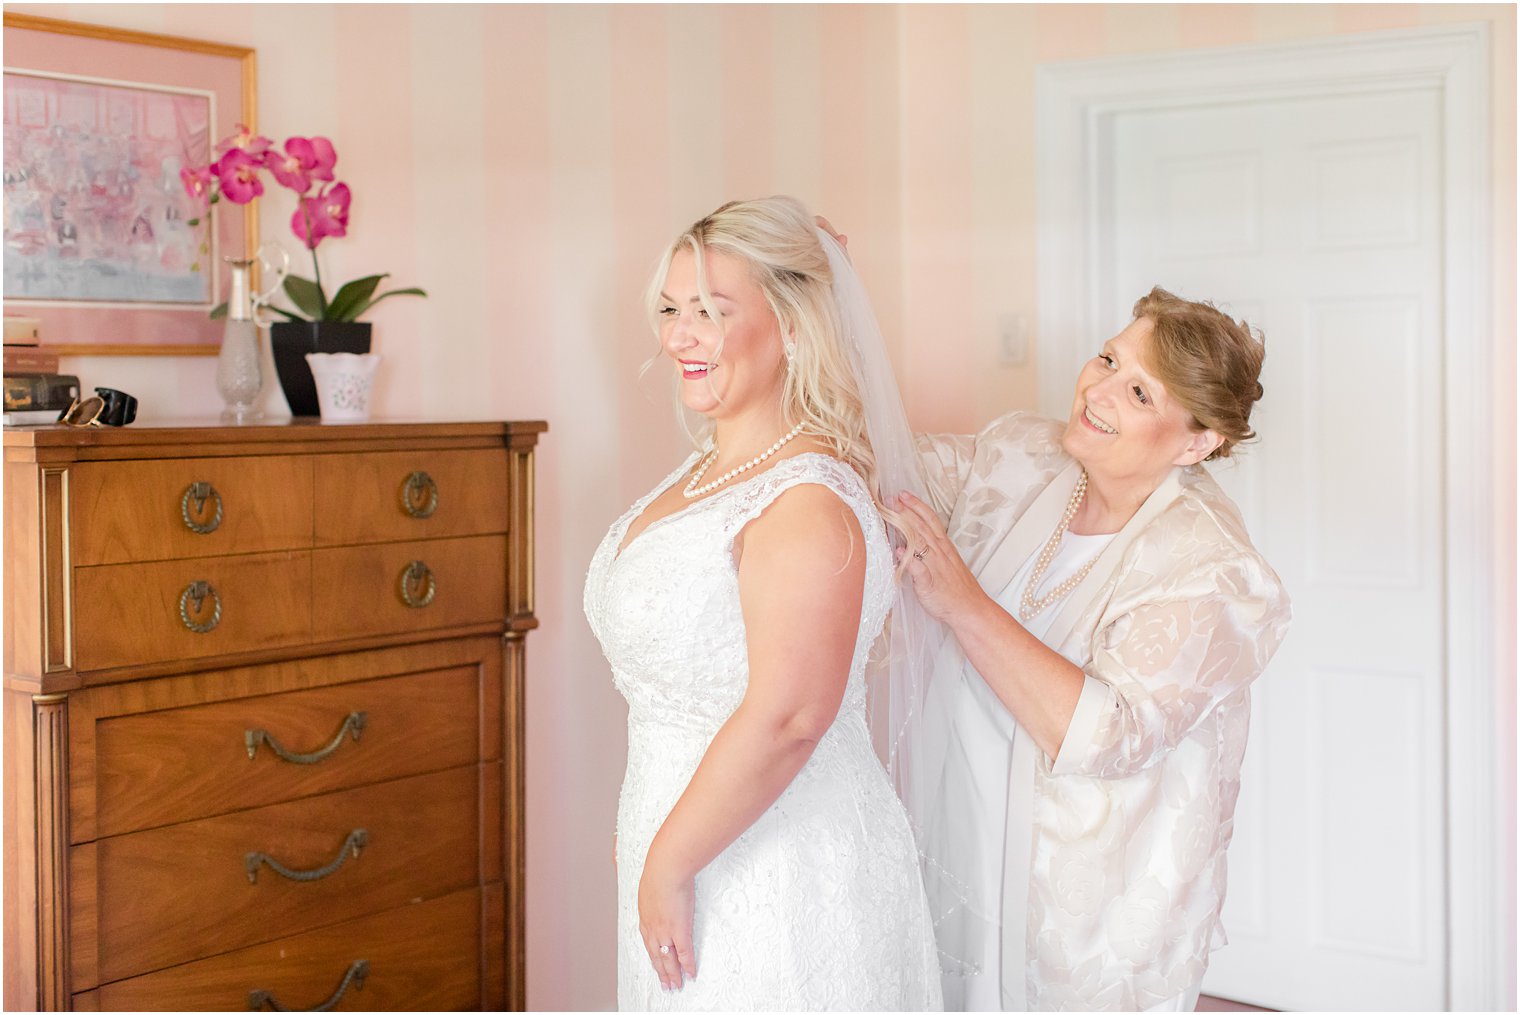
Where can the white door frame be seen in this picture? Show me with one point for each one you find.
(1073, 101)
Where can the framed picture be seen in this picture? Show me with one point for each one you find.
(99, 245)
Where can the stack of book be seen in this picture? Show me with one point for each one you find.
(35, 392)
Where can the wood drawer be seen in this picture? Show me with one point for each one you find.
(357, 590)
(179, 764)
(362, 498)
(423, 957)
(133, 511)
(129, 614)
(184, 892)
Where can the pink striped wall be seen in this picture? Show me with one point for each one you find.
(526, 163)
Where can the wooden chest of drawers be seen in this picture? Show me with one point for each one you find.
(263, 715)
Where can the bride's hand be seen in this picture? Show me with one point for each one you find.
(667, 903)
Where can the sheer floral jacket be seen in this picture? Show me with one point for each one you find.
(1115, 867)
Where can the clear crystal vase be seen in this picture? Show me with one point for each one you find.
(239, 367)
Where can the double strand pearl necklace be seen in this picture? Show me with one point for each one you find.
(693, 490)
(1029, 606)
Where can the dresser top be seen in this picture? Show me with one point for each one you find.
(212, 436)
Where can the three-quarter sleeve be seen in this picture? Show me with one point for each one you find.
(1158, 669)
(946, 461)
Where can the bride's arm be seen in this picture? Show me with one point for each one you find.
(801, 579)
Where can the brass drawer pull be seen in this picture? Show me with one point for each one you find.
(419, 495)
(200, 493)
(354, 725)
(416, 575)
(197, 592)
(258, 999)
(357, 840)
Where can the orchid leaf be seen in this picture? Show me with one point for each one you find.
(306, 295)
(351, 300)
(219, 311)
(394, 292)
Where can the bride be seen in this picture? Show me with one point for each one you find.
(764, 861)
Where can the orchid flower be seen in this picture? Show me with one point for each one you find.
(302, 161)
(197, 184)
(325, 214)
(244, 140)
(238, 174)
(323, 154)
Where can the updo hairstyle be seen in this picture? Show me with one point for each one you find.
(1209, 363)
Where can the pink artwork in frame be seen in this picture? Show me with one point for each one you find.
(98, 245)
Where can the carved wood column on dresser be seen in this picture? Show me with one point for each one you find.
(264, 715)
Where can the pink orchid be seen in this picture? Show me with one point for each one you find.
(304, 160)
(323, 153)
(325, 214)
(244, 140)
(238, 174)
(197, 184)
(289, 168)
(304, 163)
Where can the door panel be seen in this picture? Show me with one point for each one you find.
(1320, 221)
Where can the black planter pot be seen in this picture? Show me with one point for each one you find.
(290, 341)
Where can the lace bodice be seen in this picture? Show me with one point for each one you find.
(819, 904)
(667, 607)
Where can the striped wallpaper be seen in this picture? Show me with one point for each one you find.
(526, 163)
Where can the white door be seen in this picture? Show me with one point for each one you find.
(1320, 220)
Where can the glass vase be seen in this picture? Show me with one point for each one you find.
(239, 370)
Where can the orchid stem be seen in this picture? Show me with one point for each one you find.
(316, 266)
(321, 295)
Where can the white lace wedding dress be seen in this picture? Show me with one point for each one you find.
(819, 904)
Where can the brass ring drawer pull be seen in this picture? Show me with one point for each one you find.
(197, 592)
(418, 586)
(356, 841)
(258, 999)
(419, 495)
(354, 725)
(200, 493)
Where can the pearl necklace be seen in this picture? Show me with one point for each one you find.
(693, 490)
(1029, 606)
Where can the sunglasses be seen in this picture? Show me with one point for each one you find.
(107, 407)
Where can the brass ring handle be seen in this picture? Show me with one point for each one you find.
(354, 725)
(356, 841)
(419, 495)
(356, 975)
(417, 574)
(198, 591)
(200, 493)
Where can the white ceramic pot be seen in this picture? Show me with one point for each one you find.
(343, 383)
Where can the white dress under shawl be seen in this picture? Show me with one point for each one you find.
(819, 905)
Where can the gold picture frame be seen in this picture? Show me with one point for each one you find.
(43, 53)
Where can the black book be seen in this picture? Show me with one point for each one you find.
(40, 391)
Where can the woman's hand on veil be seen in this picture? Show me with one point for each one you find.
(839, 237)
(667, 907)
(944, 584)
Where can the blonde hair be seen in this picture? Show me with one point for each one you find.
(1210, 364)
(777, 238)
